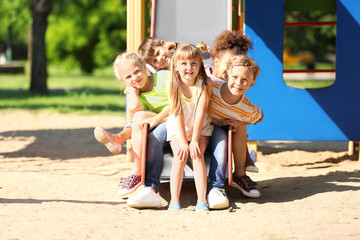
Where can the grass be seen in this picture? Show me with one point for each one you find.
(309, 84)
(69, 92)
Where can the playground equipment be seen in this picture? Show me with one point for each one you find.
(188, 172)
(327, 114)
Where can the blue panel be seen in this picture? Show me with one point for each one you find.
(296, 114)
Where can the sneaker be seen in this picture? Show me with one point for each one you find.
(147, 198)
(174, 206)
(217, 199)
(133, 182)
(103, 137)
(123, 181)
(202, 207)
(246, 186)
(252, 168)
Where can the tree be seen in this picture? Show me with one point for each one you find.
(86, 33)
(40, 10)
(13, 14)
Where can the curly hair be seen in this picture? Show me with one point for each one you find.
(235, 41)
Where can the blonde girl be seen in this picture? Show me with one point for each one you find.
(188, 126)
(144, 92)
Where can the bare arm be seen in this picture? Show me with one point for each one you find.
(183, 153)
(236, 123)
(198, 123)
(133, 103)
(159, 118)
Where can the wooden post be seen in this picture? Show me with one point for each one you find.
(241, 15)
(135, 27)
(351, 148)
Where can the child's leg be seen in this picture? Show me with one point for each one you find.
(200, 173)
(112, 141)
(240, 180)
(177, 172)
(136, 139)
(130, 183)
(249, 161)
(239, 150)
(122, 136)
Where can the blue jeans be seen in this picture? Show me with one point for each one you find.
(219, 158)
(156, 141)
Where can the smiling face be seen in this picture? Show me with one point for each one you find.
(161, 58)
(188, 69)
(134, 75)
(240, 80)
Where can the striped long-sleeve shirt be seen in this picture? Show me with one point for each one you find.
(244, 110)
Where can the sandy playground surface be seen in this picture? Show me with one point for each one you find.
(57, 182)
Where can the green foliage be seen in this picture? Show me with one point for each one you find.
(15, 13)
(86, 33)
(319, 40)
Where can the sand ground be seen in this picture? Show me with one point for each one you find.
(57, 182)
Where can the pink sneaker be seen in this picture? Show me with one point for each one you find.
(103, 137)
(129, 184)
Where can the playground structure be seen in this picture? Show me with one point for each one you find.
(291, 114)
(326, 114)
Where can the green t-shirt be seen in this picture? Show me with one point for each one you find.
(156, 99)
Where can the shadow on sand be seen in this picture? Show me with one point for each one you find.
(59, 144)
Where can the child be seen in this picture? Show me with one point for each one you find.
(158, 53)
(145, 92)
(229, 106)
(226, 45)
(188, 126)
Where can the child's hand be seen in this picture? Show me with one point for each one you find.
(183, 153)
(234, 123)
(128, 90)
(194, 150)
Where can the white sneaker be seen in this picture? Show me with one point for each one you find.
(217, 199)
(146, 198)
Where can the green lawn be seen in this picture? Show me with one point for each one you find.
(309, 84)
(70, 92)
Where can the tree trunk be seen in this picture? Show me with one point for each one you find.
(40, 10)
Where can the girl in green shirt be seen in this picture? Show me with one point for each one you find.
(147, 101)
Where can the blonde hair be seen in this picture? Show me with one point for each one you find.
(243, 61)
(185, 51)
(126, 58)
